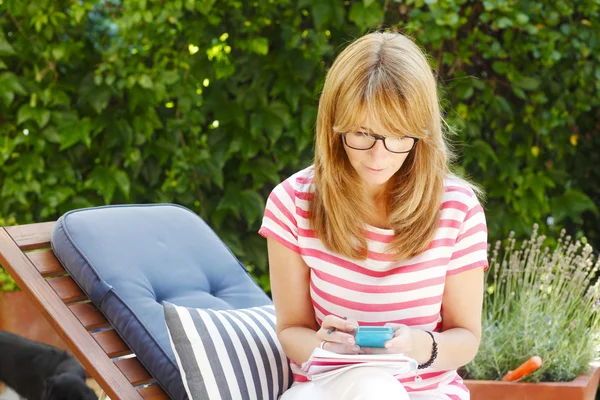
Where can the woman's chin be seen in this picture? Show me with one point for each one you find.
(375, 182)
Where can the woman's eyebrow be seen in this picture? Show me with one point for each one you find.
(370, 132)
(367, 130)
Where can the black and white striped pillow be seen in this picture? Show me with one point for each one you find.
(228, 354)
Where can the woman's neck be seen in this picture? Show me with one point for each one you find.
(379, 214)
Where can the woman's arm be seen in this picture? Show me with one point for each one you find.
(296, 324)
(461, 326)
(461, 322)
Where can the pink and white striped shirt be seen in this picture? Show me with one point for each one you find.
(379, 290)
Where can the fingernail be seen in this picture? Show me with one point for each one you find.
(350, 340)
(388, 345)
(350, 327)
(355, 348)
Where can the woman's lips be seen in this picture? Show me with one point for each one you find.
(375, 169)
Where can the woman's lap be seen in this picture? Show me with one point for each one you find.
(357, 384)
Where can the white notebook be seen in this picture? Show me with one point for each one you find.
(324, 364)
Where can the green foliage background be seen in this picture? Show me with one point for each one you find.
(210, 104)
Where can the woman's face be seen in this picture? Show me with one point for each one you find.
(376, 165)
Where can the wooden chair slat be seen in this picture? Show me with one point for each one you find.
(80, 342)
(31, 236)
(134, 371)
(46, 262)
(111, 343)
(67, 289)
(89, 316)
(154, 392)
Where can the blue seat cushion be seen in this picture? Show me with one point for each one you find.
(130, 258)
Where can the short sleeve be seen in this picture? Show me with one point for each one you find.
(471, 247)
(279, 220)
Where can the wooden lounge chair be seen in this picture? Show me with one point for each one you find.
(25, 253)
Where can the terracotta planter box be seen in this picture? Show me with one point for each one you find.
(19, 315)
(584, 387)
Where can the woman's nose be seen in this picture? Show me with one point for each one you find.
(378, 150)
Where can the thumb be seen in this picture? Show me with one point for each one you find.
(397, 327)
(353, 322)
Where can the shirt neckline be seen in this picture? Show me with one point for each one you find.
(379, 230)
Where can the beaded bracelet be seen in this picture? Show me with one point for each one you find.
(434, 352)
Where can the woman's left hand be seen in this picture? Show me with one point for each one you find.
(413, 343)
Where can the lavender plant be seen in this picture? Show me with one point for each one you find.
(539, 302)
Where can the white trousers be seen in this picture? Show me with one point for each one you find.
(359, 383)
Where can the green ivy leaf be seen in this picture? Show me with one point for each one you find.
(123, 183)
(481, 152)
(308, 118)
(170, 77)
(59, 98)
(366, 16)
(99, 98)
(146, 82)
(520, 93)
(224, 70)
(26, 113)
(190, 5)
(51, 134)
(262, 170)
(75, 131)
(252, 205)
(10, 82)
(538, 184)
(528, 83)
(103, 181)
(58, 195)
(205, 6)
(230, 201)
(571, 204)
(7, 97)
(255, 247)
(275, 118)
(256, 124)
(121, 134)
(327, 12)
(234, 243)
(259, 45)
(5, 48)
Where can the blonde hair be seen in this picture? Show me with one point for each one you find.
(384, 77)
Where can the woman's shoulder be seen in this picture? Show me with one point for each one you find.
(460, 190)
(296, 185)
(300, 181)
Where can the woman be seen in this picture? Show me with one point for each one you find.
(378, 232)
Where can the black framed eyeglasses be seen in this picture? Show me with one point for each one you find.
(366, 141)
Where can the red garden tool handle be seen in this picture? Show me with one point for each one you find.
(524, 369)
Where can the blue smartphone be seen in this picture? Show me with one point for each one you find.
(373, 336)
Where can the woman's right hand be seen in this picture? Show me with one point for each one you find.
(337, 335)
